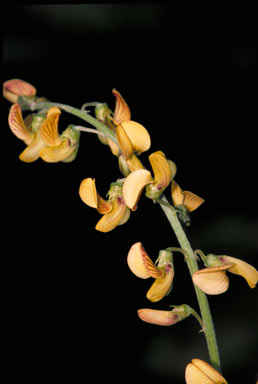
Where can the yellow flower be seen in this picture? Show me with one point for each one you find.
(200, 372)
(132, 137)
(14, 88)
(114, 211)
(213, 280)
(28, 131)
(184, 202)
(62, 147)
(142, 266)
(40, 134)
(164, 171)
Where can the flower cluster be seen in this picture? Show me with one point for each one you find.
(133, 139)
(127, 140)
(39, 131)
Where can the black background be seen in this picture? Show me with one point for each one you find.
(188, 74)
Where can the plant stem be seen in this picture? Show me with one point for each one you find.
(32, 105)
(191, 261)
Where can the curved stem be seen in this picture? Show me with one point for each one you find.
(32, 106)
(208, 326)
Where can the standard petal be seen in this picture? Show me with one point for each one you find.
(17, 125)
(193, 375)
(33, 150)
(161, 169)
(114, 218)
(161, 286)
(240, 267)
(141, 264)
(49, 128)
(138, 136)
(89, 195)
(209, 371)
(88, 192)
(122, 111)
(133, 186)
(177, 194)
(192, 201)
(124, 142)
(212, 281)
(158, 317)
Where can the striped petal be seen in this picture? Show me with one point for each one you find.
(17, 125)
(161, 169)
(240, 267)
(89, 195)
(141, 264)
(124, 142)
(134, 185)
(212, 281)
(49, 128)
(192, 201)
(33, 150)
(122, 111)
(177, 194)
(161, 286)
(138, 136)
(158, 317)
(114, 218)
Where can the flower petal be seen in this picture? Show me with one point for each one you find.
(49, 128)
(192, 201)
(141, 264)
(193, 375)
(134, 163)
(16, 87)
(240, 267)
(114, 218)
(161, 286)
(161, 169)
(177, 194)
(138, 136)
(157, 317)
(17, 125)
(212, 281)
(89, 195)
(133, 186)
(124, 142)
(122, 111)
(209, 371)
(57, 153)
(33, 150)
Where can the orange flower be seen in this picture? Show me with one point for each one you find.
(40, 134)
(164, 170)
(114, 211)
(184, 202)
(213, 280)
(142, 266)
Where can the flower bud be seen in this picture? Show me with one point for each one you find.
(164, 318)
(14, 88)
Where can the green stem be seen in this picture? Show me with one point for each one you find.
(208, 326)
(32, 105)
